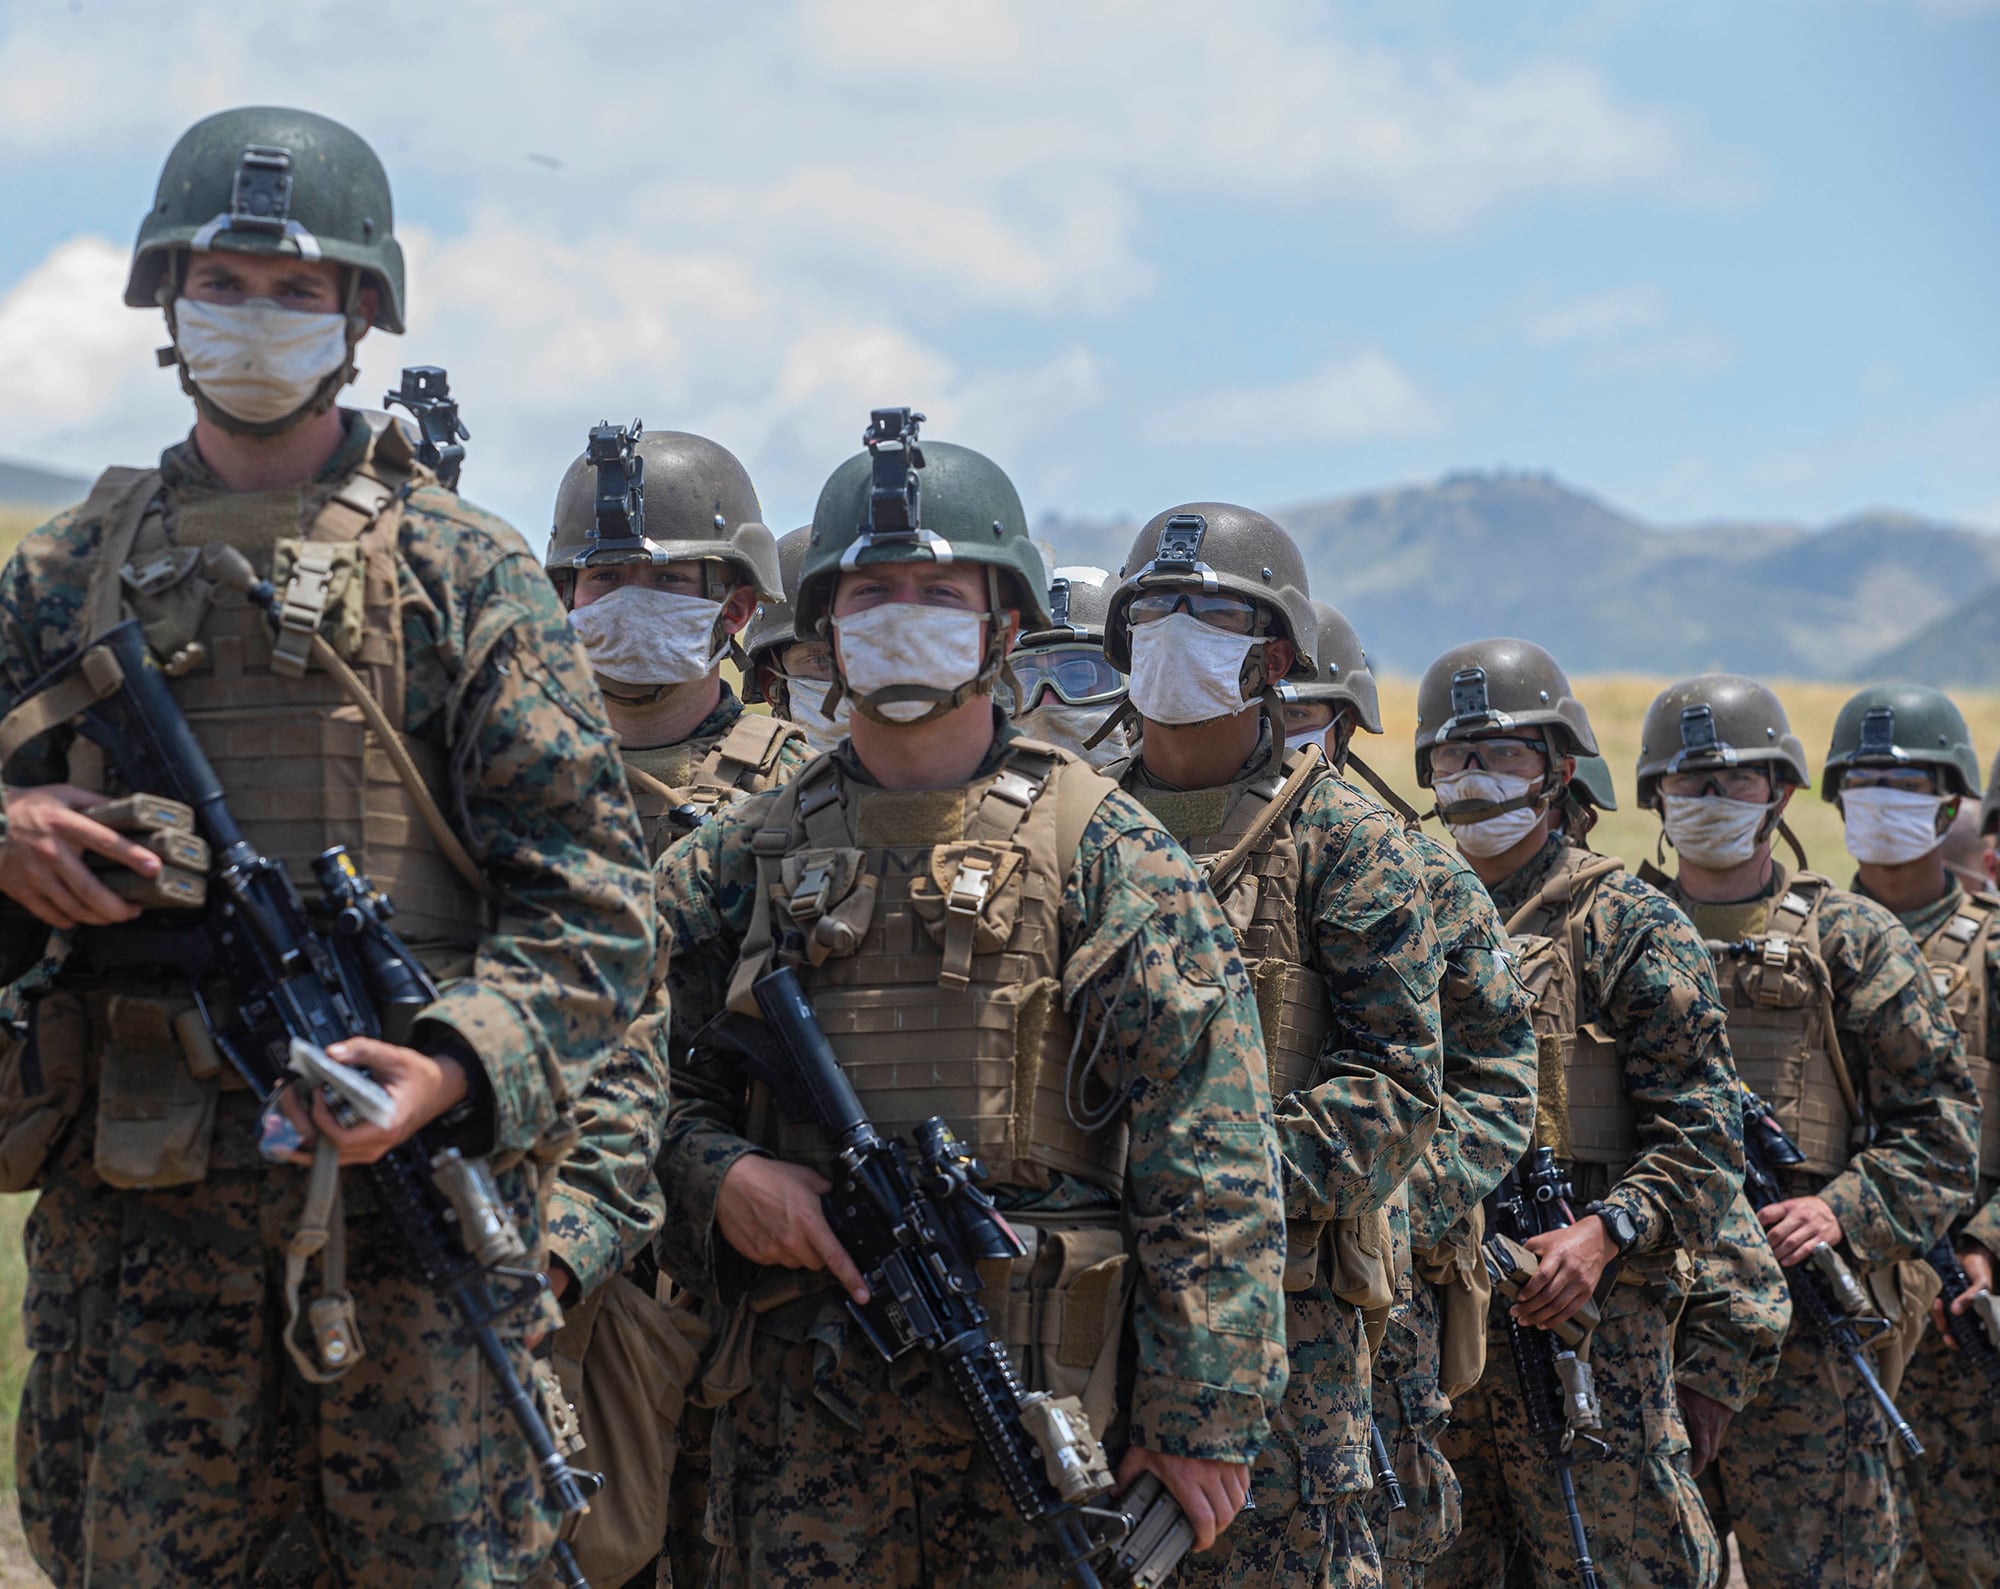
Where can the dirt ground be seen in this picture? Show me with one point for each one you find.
(17, 1568)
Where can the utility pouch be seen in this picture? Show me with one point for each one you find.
(154, 1118)
(321, 590)
(42, 1066)
(1581, 1409)
(1903, 1293)
(1457, 1273)
(1065, 1314)
(625, 1362)
(968, 901)
(1357, 1261)
(828, 896)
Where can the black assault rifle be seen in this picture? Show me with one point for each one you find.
(1972, 1329)
(917, 1226)
(292, 979)
(1557, 1388)
(1825, 1294)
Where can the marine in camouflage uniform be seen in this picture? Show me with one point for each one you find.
(1067, 686)
(162, 1438)
(793, 673)
(1119, 983)
(1635, 1096)
(1904, 749)
(1489, 1112)
(1330, 906)
(1803, 1476)
(667, 525)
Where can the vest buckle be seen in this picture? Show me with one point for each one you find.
(1777, 952)
(971, 886)
(307, 593)
(815, 888)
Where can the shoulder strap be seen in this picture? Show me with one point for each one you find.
(1395, 802)
(1573, 882)
(1080, 790)
(119, 501)
(1304, 767)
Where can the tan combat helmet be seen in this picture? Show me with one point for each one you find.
(1218, 546)
(1717, 720)
(661, 496)
(1498, 686)
(772, 628)
(1344, 679)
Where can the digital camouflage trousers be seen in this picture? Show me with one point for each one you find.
(1645, 1520)
(165, 1438)
(1950, 1511)
(1803, 1479)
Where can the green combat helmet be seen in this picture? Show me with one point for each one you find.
(1344, 679)
(661, 496)
(1217, 546)
(1902, 725)
(1079, 599)
(1717, 720)
(771, 628)
(265, 180)
(268, 180)
(902, 501)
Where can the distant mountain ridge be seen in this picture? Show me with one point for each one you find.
(25, 486)
(1421, 568)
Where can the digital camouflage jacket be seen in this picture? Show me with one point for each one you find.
(541, 802)
(1646, 981)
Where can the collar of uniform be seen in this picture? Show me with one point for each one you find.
(1260, 764)
(1004, 734)
(1925, 921)
(1515, 890)
(183, 468)
(720, 721)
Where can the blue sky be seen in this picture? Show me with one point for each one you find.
(1704, 259)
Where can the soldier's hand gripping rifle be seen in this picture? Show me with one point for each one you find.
(441, 434)
(1558, 1390)
(917, 1226)
(299, 987)
(1825, 1294)
(1977, 1329)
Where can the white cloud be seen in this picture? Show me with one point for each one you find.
(1363, 398)
(1600, 316)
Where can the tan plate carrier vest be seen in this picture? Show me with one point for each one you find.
(1958, 956)
(1782, 1030)
(704, 774)
(1582, 1109)
(1242, 833)
(286, 739)
(926, 928)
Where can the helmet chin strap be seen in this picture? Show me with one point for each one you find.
(1464, 812)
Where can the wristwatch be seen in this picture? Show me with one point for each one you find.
(1618, 1223)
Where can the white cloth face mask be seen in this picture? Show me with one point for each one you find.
(1493, 835)
(808, 701)
(1886, 827)
(257, 359)
(1711, 831)
(1186, 671)
(639, 635)
(906, 644)
(1059, 723)
(1305, 737)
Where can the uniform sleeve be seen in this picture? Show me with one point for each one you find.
(1901, 1192)
(1732, 1331)
(703, 887)
(607, 1203)
(1984, 1226)
(1151, 968)
(1489, 1055)
(1651, 983)
(1367, 927)
(542, 804)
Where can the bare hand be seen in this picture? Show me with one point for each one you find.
(1978, 1265)
(1706, 1420)
(769, 1211)
(1798, 1226)
(1572, 1262)
(1211, 1493)
(41, 863)
(422, 1086)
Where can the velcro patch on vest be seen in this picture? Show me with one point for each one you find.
(1186, 813)
(909, 816)
(243, 519)
(673, 765)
